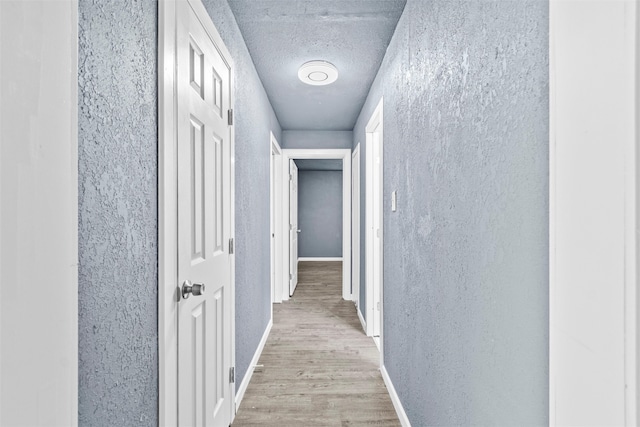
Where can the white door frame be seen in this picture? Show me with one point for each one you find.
(375, 125)
(593, 144)
(355, 225)
(39, 214)
(294, 231)
(275, 225)
(167, 207)
(345, 156)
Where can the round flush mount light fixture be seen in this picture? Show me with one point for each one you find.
(318, 73)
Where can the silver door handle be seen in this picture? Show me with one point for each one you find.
(298, 231)
(196, 289)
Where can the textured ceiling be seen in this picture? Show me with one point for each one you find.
(281, 35)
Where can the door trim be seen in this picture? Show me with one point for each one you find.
(355, 226)
(575, 151)
(375, 123)
(345, 156)
(39, 238)
(168, 202)
(167, 218)
(293, 228)
(275, 209)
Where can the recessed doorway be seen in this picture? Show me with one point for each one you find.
(288, 264)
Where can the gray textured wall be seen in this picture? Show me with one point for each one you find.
(316, 139)
(254, 118)
(117, 183)
(118, 360)
(320, 213)
(465, 88)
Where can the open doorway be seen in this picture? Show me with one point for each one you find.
(290, 263)
(319, 210)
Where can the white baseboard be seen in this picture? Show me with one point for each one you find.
(252, 366)
(362, 322)
(319, 259)
(404, 420)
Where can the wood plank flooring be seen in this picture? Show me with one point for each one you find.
(319, 368)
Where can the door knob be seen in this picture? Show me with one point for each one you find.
(298, 231)
(196, 289)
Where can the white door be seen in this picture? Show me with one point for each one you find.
(276, 223)
(376, 232)
(272, 225)
(205, 395)
(293, 226)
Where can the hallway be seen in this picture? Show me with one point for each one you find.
(508, 159)
(319, 368)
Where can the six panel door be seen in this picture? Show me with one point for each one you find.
(205, 396)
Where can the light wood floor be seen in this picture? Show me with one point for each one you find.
(319, 367)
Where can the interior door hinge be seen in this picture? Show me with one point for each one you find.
(230, 117)
(231, 246)
(232, 375)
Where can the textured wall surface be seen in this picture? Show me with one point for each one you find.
(254, 118)
(316, 139)
(320, 213)
(319, 164)
(117, 184)
(465, 88)
(118, 207)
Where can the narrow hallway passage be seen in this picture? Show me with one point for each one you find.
(318, 367)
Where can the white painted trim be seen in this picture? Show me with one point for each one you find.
(632, 225)
(284, 219)
(167, 203)
(636, 220)
(76, 132)
(581, 148)
(376, 123)
(372, 269)
(232, 198)
(355, 225)
(345, 155)
(293, 212)
(362, 321)
(167, 217)
(368, 219)
(553, 27)
(39, 213)
(319, 259)
(395, 399)
(275, 207)
(252, 365)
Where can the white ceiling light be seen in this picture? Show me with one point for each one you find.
(318, 73)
